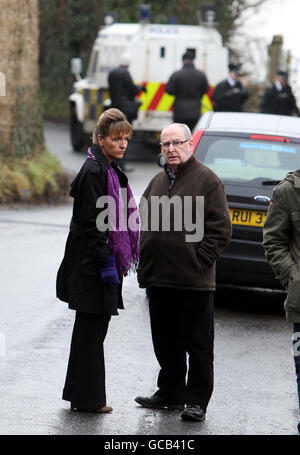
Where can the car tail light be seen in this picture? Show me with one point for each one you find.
(267, 137)
(196, 138)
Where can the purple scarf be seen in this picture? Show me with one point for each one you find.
(123, 240)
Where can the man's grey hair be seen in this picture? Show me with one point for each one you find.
(186, 131)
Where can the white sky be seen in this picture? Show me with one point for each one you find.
(277, 17)
(258, 26)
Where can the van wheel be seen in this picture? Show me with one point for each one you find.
(76, 130)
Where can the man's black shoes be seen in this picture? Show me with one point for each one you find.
(193, 413)
(156, 402)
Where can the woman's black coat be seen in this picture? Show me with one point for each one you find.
(78, 279)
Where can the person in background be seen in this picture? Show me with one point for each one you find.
(123, 93)
(281, 241)
(278, 98)
(229, 95)
(188, 85)
(179, 274)
(96, 258)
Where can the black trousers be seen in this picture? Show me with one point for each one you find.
(85, 380)
(182, 323)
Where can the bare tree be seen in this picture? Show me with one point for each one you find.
(230, 12)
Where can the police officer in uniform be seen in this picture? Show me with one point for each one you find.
(188, 85)
(278, 98)
(229, 95)
(122, 94)
(123, 90)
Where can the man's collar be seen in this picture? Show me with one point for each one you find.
(191, 64)
(231, 81)
(183, 166)
(297, 178)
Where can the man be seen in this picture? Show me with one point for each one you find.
(281, 241)
(123, 92)
(278, 98)
(229, 95)
(188, 85)
(179, 273)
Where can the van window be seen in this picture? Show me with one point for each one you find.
(162, 52)
(93, 64)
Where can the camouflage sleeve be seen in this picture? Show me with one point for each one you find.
(276, 238)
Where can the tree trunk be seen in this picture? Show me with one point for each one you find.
(21, 130)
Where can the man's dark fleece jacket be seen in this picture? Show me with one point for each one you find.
(166, 258)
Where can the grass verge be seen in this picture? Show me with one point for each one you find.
(35, 181)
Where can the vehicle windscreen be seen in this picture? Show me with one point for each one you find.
(92, 67)
(240, 159)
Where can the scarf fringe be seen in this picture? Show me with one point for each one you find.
(131, 269)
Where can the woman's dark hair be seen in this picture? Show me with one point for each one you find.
(111, 122)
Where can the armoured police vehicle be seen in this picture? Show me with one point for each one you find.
(156, 52)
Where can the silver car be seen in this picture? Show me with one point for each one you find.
(251, 153)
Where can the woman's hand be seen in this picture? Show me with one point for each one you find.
(109, 272)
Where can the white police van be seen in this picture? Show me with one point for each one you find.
(156, 52)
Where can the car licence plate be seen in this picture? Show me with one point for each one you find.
(245, 217)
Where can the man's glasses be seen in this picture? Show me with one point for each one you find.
(176, 144)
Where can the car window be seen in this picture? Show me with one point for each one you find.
(247, 159)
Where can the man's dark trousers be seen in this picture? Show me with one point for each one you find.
(296, 331)
(182, 322)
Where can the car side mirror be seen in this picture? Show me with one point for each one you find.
(161, 161)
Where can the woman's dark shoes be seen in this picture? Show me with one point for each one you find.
(193, 413)
(102, 410)
(156, 402)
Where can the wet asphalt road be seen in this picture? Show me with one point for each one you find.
(255, 390)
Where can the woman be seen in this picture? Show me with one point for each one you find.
(96, 258)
